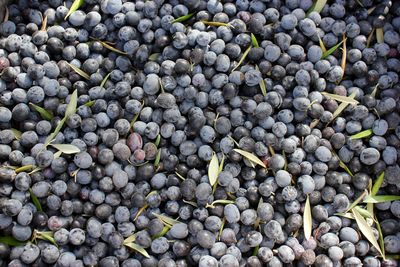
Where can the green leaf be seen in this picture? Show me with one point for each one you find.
(365, 213)
(11, 241)
(158, 139)
(377, 184)
(362, 134)
(358, 200)
(307, 219)
(317, 6)
(111, 48)
(370, 36)
(67, 148)
(90, 103)
(154, 57)
(216, 23)
(347, 215)
(263, 87)
(57, 154)
(137, 115)
(74, 7)
(379, 35)
(72, 105)
(366, 230)
(183, 18)
(251, 157)
(332, 49)
(47, 235)
(340, 98)
(157, 159)
(53, 135)
(35, 200)
(180, 176)
(138, 248)
(46, 115)
(380, 198)
(103, 82)
(322, 45)
(16, 133)
(342, 106)
(254, 41)
(242, 58)
(79, 71)
(25, 168)
(344, 54)
(213, 170)
(162, 233)
(221, 164)
(165, 219)
(130, 238)
(344, 166)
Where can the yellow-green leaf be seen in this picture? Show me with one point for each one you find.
(47, 235)
(138, 248)
(322, 45)
(90, 103)
(73, 103)
(242, 58)
(263, 87)
(307, 219)
(165, 219)
(358, 200)
(380, 198)
(130, 238)
(66, 148)
(213, 170)
(74, 7)
(35, 200)
(254, 41)
(365, 213)
(370, 36)
(344, 54)
(57, 154)
(317, 6)
(153, 57)
(46, 115)
(180, 176)
(366, 230)
(251, 157)
(221, 164)
(103, 82)
(332, 49)
(347, 215)
(16, 133)
(342, 106)
(379, 35)
(381, 240)
(220, 201)
(183, 18)
(158, 139)
(216, 23)
(53, 135)
(340, 98)
(377, 184)
(344, 166)
(11, 241)
(162, 233)
(157, 159)
(111, 48)
(79, 71)
(25, 168)
(362, 134)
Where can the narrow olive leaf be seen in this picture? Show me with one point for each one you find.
(6, 14)
(358, 2)
(254, 41)
(130, 238)
(256, 249)
(72, 105)
(183, 18)
(157, 159)
(344, 166)
(314, 123)
(213, 170)
(344, 55)
(90, 103)
(370, 10)
(381, 238)
(322, 45)
(103, 82)
(165, 219)
(17, 134)
(221, 164)
(79, 71)
(251, 157)
(317, 6)
(35, 170)
(380, 198)
(233, 140)
(35, 200)
(242, 58)
(53, 135)
(47, 235)
(111, 48)
(379, 35)
(365, 213)
(11, 241)
(158, 139)
(66, 148)
(46, 115)
(194, 204)
(340, 98)
(162, 233)
(222, 228)
(74, 7)
(342, 106)
(363, 134)
(25, 168)
(377, 184)
(44, 24)
(366, 230)
(136, 115)
(370, 36)
(138, 248)
(307, 219)
(358, 200)
(347, 215)
(216, 23)
(57, 154)
(180, 176)
(263, 87)
(140, 211)
(153, 57)
(332, 49)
